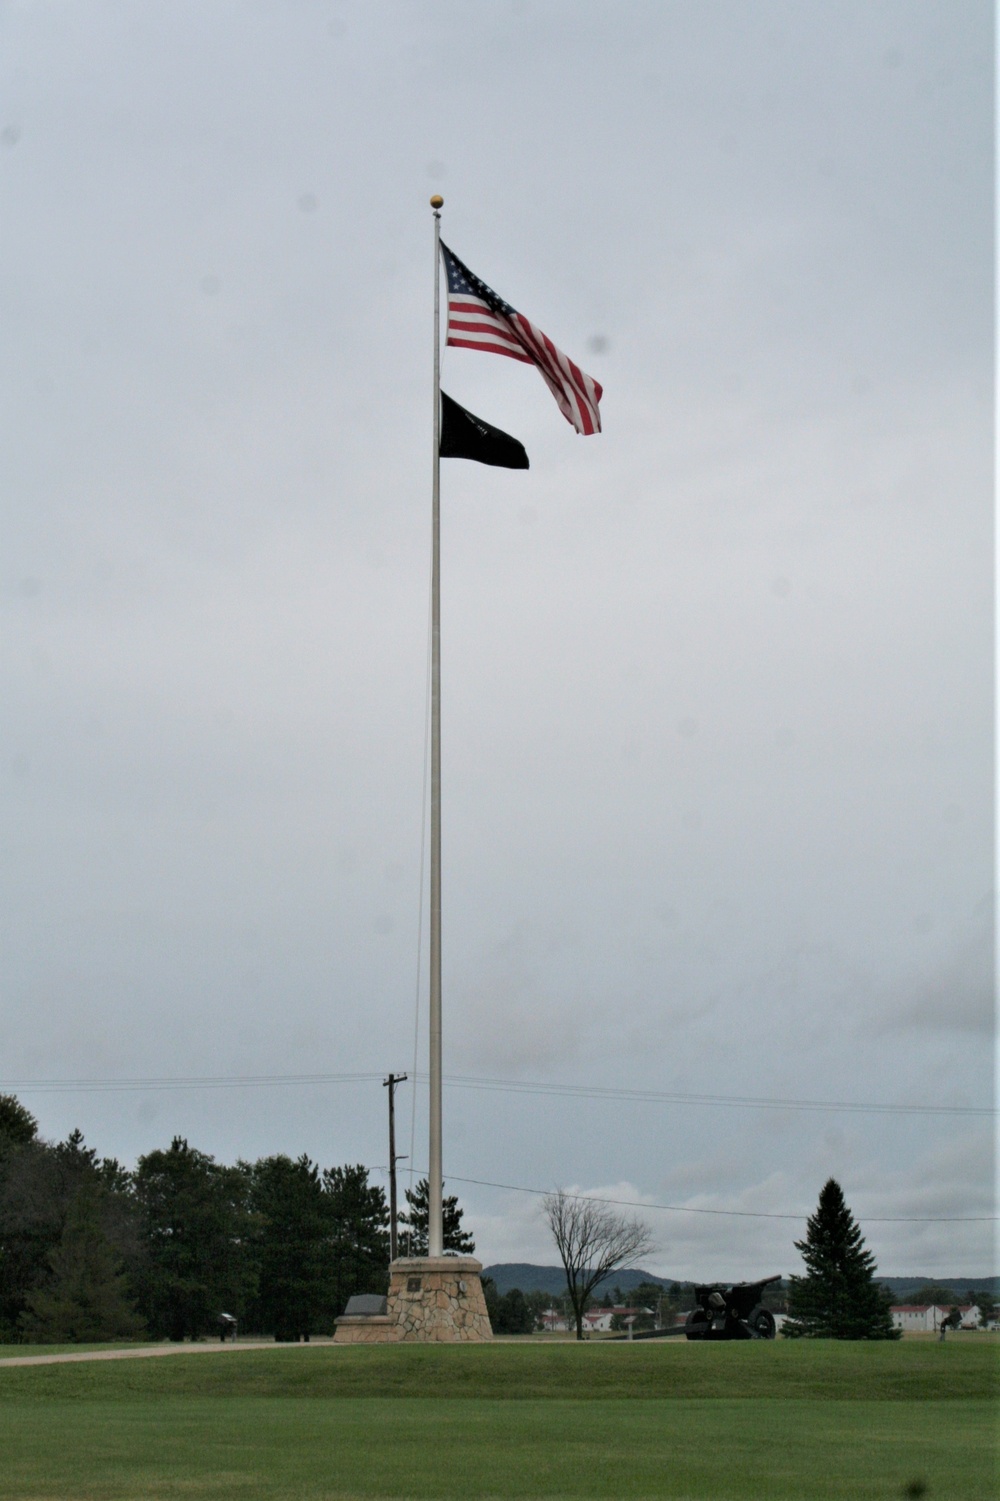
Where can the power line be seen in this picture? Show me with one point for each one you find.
(500, 1086)
(195, 1081)
(739, 1102)
(743, 1214)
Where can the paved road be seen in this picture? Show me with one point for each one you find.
(141, 1352)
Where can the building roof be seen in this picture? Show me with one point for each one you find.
(926, 1307)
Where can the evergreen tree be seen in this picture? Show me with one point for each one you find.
(414, 1237)
(86, 1297)
(839, 1297)
(359, 1235)
(38, 1185)
(194, 1224)
(292, 1247)
(514, 1316)
(17, 1124)
(31, 1217)
(509, 1314)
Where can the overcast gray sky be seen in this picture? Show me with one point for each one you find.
(718, 709)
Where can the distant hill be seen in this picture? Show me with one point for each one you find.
(901, 1286)
(552, 1279)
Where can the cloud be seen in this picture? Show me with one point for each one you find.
(931, 1216)
(515, 1010)
(718, 733)
(957, 993)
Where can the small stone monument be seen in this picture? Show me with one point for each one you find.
(364, 1321)
(432, 1300)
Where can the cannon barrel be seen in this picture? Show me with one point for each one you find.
(743, 1297)
(735, 1287)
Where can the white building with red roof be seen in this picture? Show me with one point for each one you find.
(926, 1317)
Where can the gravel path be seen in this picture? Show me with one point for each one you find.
(142, 1352)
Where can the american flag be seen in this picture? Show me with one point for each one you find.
(479, 319)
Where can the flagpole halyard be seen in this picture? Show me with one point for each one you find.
(435, 1236)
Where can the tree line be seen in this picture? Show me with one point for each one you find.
(92, 1251)
(838, 1297)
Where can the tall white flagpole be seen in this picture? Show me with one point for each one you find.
(435, 1229)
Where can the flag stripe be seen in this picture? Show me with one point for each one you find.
(483, 347)
(465, 319)
(479, 319)
(576, 393)
(482, 329)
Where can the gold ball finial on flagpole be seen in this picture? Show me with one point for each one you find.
(437, 201)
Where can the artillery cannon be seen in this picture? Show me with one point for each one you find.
(731, 1312)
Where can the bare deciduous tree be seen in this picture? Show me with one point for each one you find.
(593, 1240)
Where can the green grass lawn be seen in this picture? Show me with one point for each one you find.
(783, 1420)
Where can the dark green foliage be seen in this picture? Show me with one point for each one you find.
(933, 1292)
(291, 1244)
(38, 1184)
(539, 1302)
(89, 1250)
(31, 1212)
(839, 1297)
(513, 1314)
(17, 1124)
(194, 1221)
(492, 1300)
(414, 1236)
(986, 1303)
(183, 1237)
(359, 1235)
(652, 1297)
(86, 1297)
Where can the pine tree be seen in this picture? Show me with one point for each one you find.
(87, 1297)
(359, 1234)
(291, 1247)
(17, 1124)
(414, 1237)
(839, 1297)
(195, 1226)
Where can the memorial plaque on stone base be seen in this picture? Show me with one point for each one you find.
(432, 1300)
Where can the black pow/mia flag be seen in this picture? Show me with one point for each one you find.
(465, 436)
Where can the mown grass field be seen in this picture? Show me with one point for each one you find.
(755, 1420)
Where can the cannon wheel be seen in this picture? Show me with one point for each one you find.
(697, 1324)
(762, 1323)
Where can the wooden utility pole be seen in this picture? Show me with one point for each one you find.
(390, 1084)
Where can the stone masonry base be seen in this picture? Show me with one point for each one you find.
(432, 1300)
